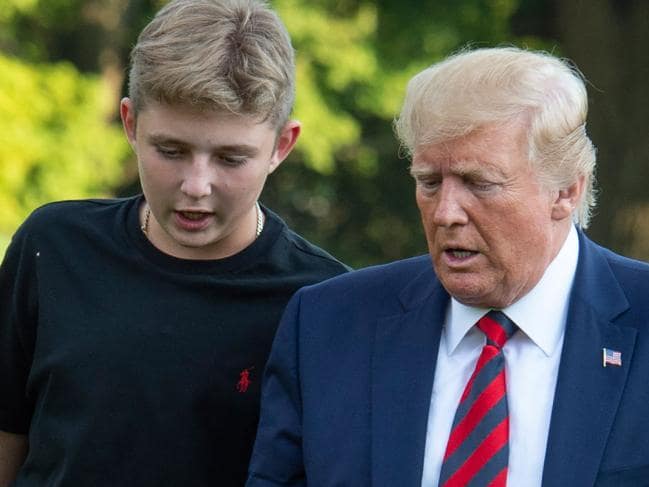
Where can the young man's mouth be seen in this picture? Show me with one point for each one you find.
(193, 215)
(192, 220)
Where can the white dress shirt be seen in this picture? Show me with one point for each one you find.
(532, 363)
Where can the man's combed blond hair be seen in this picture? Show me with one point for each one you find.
(231, 55)
(474, 88)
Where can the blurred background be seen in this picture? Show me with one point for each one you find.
(346, 186)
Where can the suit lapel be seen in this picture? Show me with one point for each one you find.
(587, 393)
(403, 367)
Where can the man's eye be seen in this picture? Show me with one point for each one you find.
(481, 185)
(428, 184)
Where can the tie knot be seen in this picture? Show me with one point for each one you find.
(498, 328)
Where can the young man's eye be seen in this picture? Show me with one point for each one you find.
(234, 160)
(169, 152)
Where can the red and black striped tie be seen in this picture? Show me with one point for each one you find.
(477, 452)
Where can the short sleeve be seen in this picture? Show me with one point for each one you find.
(18, 317)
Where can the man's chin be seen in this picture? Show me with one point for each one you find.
(469, 289)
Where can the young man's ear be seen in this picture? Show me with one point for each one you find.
(286, 140)
(127, 112)
(567, 199)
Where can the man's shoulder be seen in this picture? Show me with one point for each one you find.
(365, 295)
(631, 276)
(623, 266)
(372, 280)
(402, 269)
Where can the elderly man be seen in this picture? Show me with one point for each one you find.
(516, 353)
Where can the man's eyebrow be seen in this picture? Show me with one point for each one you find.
(465, 171)
(417, 172)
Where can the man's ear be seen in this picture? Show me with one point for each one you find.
(129, 119)
(567, 199)
(286, 140)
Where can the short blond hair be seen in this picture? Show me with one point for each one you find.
(474, 88)
(231, 55)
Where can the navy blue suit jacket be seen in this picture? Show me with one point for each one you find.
(347, 388)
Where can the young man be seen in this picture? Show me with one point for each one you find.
(133, 332)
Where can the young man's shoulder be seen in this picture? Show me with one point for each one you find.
(58, 221)
(300, 249)
(71, 212)
(72, 207)
(311, 250)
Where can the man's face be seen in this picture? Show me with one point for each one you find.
(201, 173)
(492, 228)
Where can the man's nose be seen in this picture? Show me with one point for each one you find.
(449, 209)
(198, 178)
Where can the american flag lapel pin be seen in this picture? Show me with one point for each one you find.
(611, 357)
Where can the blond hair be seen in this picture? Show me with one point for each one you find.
(474, 88)
(232, 55)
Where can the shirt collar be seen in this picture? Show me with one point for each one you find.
(540, 314)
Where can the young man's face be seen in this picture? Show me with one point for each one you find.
(201, 173)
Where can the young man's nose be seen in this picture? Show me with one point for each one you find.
(198, 179)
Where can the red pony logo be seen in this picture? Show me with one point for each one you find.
(244, 380)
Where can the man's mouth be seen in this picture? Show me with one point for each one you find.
(459, 254)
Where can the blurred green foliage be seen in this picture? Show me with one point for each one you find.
(58, 136)
(346, 186)
(55, 139)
